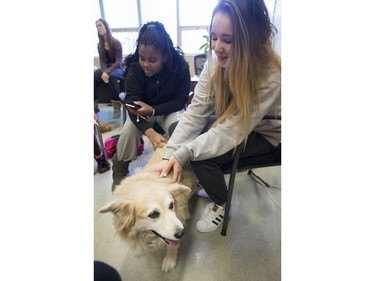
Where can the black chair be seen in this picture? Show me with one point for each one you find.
(272, 158)
(199, 61)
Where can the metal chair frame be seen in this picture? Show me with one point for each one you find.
(270, 159)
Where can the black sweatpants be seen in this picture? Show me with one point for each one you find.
(211, 175)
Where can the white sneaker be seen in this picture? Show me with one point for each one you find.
(207, 209)
(212, 218)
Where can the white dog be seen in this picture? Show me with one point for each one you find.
(150, 211)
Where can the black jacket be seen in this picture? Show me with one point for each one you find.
(166, 92)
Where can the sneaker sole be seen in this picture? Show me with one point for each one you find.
(208, 230)
(211, 229)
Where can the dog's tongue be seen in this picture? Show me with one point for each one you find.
(172, 243)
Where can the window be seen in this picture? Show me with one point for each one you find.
(186, 21)
(121, 14)
(194, 21)
(163, 11)
(196, 12)
(125, 16)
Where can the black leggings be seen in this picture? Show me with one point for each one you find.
(211, 175)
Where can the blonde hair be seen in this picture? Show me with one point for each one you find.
(236, 88)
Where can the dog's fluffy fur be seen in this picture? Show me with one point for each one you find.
(150, 211)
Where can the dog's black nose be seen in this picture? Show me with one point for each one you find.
(179, 234)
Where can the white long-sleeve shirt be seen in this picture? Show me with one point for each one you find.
(187, 142)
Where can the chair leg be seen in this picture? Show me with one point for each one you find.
(123, 113)
(99, 135)
(230, 189)
(228, 203)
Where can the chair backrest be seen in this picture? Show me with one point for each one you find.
(199, 61)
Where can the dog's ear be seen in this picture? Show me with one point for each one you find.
(109, 207)
(115, 206)
(123, 213)
(181, 197)
(178, 189)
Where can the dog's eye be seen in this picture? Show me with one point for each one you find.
(154, 215)
(171, 206)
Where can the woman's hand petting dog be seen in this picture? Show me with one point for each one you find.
(165, 166)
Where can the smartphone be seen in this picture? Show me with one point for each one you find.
(133, 105)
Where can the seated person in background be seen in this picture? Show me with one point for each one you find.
(110, 58)
(158, 80)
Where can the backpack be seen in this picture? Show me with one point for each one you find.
(110, 144)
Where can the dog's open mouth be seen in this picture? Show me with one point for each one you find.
(169, 242)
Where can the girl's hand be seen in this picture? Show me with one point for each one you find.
(156, 139)
(158, 167)
(145, 109)
(176, 168)
(105, 77)
(164, 168)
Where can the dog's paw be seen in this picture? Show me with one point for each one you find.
(168, 264)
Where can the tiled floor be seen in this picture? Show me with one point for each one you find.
(250, 251)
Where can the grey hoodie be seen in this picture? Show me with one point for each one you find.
(187, 142)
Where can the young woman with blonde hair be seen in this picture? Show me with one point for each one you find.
(241, 85)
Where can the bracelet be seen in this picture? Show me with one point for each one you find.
(153, 112)
(165, 159)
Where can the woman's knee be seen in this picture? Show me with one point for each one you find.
(129, 129)
(117, 73)
(128, 143)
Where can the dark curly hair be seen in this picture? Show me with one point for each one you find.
(154, 34)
